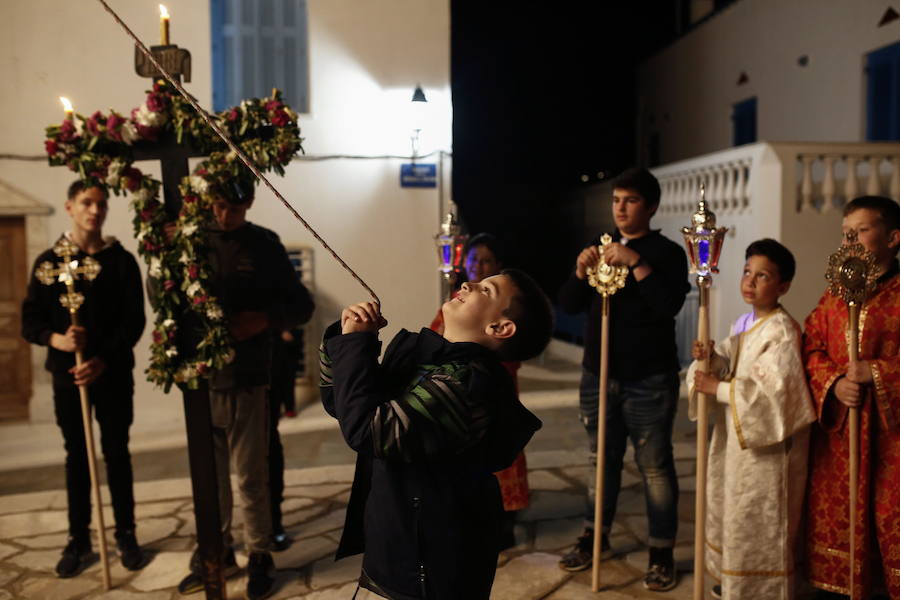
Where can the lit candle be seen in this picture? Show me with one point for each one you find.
(67, 106)
(163, 25)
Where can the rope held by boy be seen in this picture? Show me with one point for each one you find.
(66, 272)
(235, 148)
(851, 271)
(607, 280)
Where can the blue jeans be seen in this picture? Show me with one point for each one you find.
(643, 410)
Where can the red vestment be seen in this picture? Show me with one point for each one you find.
(877, 526)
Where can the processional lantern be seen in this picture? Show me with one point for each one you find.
(450, 243)
(703, 241)
(852, 275)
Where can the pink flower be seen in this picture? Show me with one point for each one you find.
(93, 123)
(113, 124)
(233, 114)
(156, 102)
(200, 299)
(168, 285)
(51, 147)
(67, 131)
(193, 271)
(280, 118)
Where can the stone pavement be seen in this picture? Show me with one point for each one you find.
(33, 524)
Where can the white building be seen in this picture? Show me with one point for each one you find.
(808, 81)
(364, 61)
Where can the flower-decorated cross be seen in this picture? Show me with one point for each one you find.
(102, 149)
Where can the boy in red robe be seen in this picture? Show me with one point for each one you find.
(872, 384)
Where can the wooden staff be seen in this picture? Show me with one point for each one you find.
(702, 451)
(853, 351)
(851, 271)
(607, 280)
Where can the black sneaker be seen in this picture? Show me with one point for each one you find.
(281, 541)
(129, 552)
(661, 575)
(581, 557)
(193, 581)
(260, 583)
(75, 557)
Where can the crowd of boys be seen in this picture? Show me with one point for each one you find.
(438, 416)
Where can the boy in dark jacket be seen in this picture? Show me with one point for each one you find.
(431, 424)
(111, 321)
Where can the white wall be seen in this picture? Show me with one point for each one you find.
(365, 60)
(691, 86)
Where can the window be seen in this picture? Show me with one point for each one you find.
(743, 121)
(302, 260)
(883, 91)
(258, 45)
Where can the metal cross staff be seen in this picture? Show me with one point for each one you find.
(704, 244)
(607, 280)
(66, 272)
(851, 272)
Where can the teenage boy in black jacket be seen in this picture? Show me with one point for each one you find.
(431, 424)
(111, 321)
(643, 370)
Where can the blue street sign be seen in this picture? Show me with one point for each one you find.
(419, 175)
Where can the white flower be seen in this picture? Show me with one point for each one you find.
(142, 195)
(189, 230)
(129, 133)
(184, 258)
(168, 323)
(214, 313)
(199, 184)
(148, 118)
(155, 269)
(141, 234)
(79, 126)
(194, 289)
(172, 352)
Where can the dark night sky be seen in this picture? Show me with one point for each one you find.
(543, 93)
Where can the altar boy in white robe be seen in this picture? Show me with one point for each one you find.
(758, 453)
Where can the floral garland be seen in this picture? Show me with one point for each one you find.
(100, 149)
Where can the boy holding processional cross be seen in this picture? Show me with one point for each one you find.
(431, 424)
(758, 454)
(872, 384)
(111, 320)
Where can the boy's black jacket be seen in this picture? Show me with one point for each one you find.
(112, 313)
(425, 506)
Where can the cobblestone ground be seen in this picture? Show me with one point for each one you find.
(33, 525)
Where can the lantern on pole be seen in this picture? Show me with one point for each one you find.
(704, 245)
(450, 243)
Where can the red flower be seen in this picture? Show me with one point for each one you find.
(273, 105)
(150, 246)
(280, 118)
(198, 300)
(190, 199)
(51, 147)
(132, 178)
(157, 337)
(156, 102)
(93, 123)
(233, 114)
(193, 271)
(202, 369)
(67, 131)
(168, 285)
(147, 214)
(113, 125)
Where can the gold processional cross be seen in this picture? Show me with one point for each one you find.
(66, 272)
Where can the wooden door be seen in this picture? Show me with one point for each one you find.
(15, 353)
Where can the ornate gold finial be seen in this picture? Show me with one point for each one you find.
(851, 271)
(606, 279)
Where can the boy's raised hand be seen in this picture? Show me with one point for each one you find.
(588, 258)
(365, 317)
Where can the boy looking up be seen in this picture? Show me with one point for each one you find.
(643, 370)
(873, 385)
(757, 458)
(431, 424)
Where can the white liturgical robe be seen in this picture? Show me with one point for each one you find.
(757, 458)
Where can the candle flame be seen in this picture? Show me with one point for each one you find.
(163, 13)
(67, 105)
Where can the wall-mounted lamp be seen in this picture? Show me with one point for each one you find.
(418, 118)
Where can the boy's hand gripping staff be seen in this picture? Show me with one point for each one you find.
(66, 272)
(607, 280)
(851, 272)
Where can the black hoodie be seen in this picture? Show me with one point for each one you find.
(430, 424)
(112, 313)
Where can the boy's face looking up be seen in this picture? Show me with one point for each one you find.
(761, 284)
(631, 212)
(476, 314)
(88, 210)
(230, 216)
(481, 263)
(872, 234)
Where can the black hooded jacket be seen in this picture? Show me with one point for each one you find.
(430, 424)
(112, 313)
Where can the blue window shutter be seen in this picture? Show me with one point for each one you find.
(258, 45)
(883, 94)
(743, 119)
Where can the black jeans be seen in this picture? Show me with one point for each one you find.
(113, 407)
